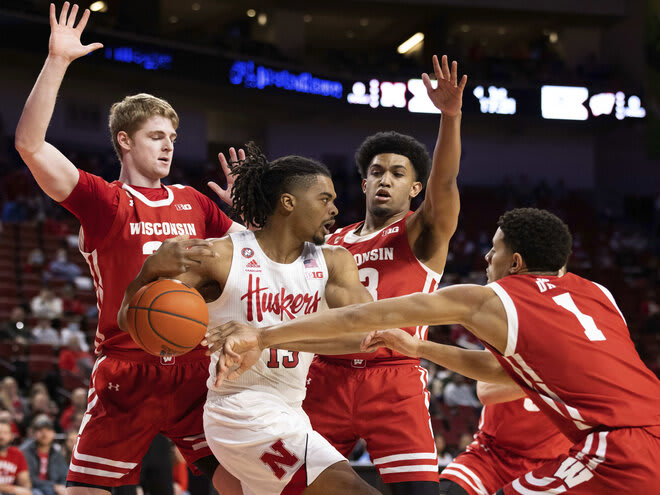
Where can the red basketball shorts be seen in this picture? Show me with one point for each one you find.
(387, 405)
(484, 467)
(129, 402)
(626, 460)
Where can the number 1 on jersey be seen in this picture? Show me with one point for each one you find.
(592, 332)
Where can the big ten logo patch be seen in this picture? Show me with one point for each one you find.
(317, 274)
(182, 207)
(391, 230)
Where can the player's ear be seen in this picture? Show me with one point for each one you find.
(364, 185)
(517, 264)
(415, 189)
(288, 202)
(124, 140)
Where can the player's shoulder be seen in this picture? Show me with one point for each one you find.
(223, 246)
(337, 257)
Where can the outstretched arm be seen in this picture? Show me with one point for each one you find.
(475, 307)
(54, 173)
(434, 222)
(495, 393)
(478, 365)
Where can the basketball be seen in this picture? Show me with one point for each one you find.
(167, 318)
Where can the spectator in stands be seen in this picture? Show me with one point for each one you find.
(71, 305)
(69, 444)
(78, 404)
(444, 457)
(42, 405)
(46, 305)
(14, 474)
(72, 331)
(15, 329)
(47, 466)
(458, 392)
(44, 333)
(35, 261)
(464, 440)
(74, 359)
(61, 268)
(12, 401)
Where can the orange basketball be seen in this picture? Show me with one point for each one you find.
(167, 318)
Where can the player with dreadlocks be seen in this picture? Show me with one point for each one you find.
(255, 425)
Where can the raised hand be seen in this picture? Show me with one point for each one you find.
(234, 158)
(393, 338)
(65, 35)
(447, 96)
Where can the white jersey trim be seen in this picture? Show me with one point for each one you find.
(512, 318)
(609, 295)
(155, 204)
(470, 477)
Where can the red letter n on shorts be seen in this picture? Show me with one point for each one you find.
(281, 457)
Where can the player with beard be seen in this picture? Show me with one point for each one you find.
(256, 425)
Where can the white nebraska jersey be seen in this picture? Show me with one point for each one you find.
(261, 292)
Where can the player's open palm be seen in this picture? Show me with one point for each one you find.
(65, 34)
(393, 338)
(447, 96)
(235, 158)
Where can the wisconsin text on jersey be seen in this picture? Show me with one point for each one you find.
(162, 228)
(386, 254)
(260, 300)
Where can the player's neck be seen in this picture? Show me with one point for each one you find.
(279, 244)
(132, 177)
(373, 223)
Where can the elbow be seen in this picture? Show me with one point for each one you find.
(23, 144)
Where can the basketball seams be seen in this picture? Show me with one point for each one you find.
(135, 326)
(137, 307)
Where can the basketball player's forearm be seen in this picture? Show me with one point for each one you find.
(447, 152)
(39, 107)
(345, 345)
(478, 365)
(496, 393)
(350, 320)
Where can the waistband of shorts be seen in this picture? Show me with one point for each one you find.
(368, 363)
(139, 356)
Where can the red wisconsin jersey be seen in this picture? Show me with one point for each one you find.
(520, 427)
(140, 221)
(388, 268)
(569, 348)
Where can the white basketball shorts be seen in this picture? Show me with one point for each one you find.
(267, 444)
